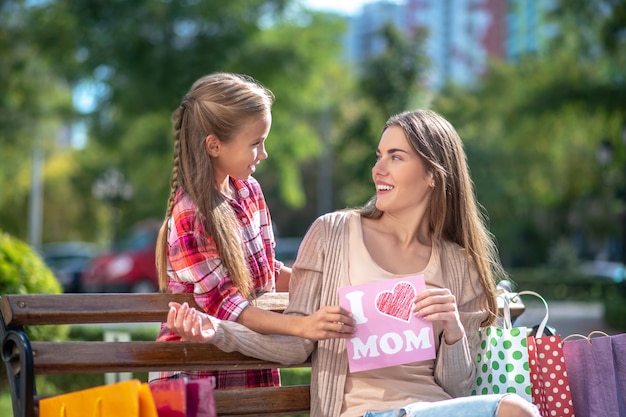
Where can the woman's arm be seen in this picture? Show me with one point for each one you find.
(195, 326)
(455, 368)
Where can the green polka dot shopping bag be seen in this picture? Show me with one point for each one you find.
(502, 359)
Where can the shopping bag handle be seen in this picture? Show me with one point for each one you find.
(97, 409)
(513, 298)
(588, 337)
(506, 310)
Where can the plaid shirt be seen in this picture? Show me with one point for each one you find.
(194, 265)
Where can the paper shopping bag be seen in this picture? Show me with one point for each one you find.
(127, 398)
(181, 397)
(548, 374)
(200, 401)
(502, 362)
(502, 359)
(170, 397)
(596, 368)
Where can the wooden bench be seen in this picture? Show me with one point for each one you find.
(25, 358)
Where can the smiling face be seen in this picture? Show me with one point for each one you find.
(238, 157)
(402, 181)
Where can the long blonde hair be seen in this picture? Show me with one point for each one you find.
(455, 214)
(219, 104)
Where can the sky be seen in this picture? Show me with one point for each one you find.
(340, 6)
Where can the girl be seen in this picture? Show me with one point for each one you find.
(216, 241)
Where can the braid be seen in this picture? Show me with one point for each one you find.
(162, 241)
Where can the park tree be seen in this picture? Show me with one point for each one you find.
(388, 83)
(35, 102)
(136, 60)
(300, 60)
(532, 130)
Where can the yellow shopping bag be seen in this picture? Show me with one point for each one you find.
(128, 398)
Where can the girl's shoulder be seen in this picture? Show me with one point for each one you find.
(248, 188)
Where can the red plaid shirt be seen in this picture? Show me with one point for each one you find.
(194, 266)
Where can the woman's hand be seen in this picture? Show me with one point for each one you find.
(440, 304)
(190, 324)
(329, 322)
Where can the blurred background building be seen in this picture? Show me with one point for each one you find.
(463, 35)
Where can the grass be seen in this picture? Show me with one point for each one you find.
(295, 376)
(6, 408)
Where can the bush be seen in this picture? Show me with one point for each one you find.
(555, 284)
(615, 312)
(22, 271)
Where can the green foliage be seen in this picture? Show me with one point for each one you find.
(531, 127)
(615, 311)
(532, 151)
(22, 271)
(6, 407)
(295, 376)
(389, 83)
(556, 284)
(392, 79)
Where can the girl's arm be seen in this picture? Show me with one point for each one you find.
(282, 279)
(328, 322)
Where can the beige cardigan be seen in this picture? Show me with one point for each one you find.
(317, 274)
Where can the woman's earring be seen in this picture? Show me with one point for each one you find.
(432, 184)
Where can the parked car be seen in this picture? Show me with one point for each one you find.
(612, 271)
(68, 260)
(130, 265)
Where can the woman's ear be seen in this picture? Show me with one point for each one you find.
(212, 144)
(431, 179)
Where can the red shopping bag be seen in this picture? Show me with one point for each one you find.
(180, 397)
(548, 374)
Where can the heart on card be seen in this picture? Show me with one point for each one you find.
(397, 302)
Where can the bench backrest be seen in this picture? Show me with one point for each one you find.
(25, 358)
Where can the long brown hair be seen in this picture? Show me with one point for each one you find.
(455, 214)
(218, 104)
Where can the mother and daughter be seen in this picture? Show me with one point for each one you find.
(217, 243)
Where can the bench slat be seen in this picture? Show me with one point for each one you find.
(274, 401)
(100, 357)
(40, 309)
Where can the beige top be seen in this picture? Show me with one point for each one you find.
(319, 271)
(392, 387)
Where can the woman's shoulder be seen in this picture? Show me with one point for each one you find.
(451, 248)
(336, 218)
(328, 225)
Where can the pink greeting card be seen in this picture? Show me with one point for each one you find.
(387, 334)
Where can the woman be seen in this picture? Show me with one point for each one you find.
(425, 220)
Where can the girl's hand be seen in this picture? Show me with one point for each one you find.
(190, 324)
(329, 322)
(440, 304)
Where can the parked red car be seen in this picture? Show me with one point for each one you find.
(130, 265)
